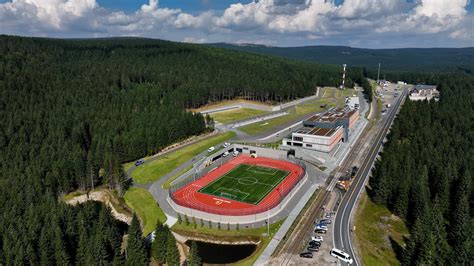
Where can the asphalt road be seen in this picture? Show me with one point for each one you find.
(342, 223)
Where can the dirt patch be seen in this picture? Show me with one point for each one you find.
(104, 197)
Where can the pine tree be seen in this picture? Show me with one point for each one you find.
(136, 248)
(459, 232)
(172, 253)
(159, 245)
(194, 258)
(81, 252)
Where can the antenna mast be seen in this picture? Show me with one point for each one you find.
(378, 75)
(343, 76)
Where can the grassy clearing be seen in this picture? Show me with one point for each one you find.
(168, 182)
(145, 206)
(154, 170)
(375, 225)
(299, 110)
(72, 195)
(225, 117)
(232, 235)
(229, 102)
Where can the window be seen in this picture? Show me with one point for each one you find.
(309, 145)
(298, 138)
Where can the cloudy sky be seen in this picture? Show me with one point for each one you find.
(357, 23)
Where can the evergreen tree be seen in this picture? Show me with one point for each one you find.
(136, 248)
(172, 253)
(159, 245)
(194, 258)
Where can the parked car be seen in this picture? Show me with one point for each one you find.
(317, 238)
(211, 149)
(226, 144)
(320, 231)
(327, 221)
(139, 162)
(236, 153)
(321, 227)
(225, 154)
(322, 224)
(308, 255)
(313, 248)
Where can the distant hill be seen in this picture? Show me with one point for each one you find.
(419, 59)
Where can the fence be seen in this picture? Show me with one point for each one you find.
(271, 201)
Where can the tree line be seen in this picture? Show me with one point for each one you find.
(72, 111)
(425, 176)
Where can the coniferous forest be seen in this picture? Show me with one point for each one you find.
(72, 111)
(425, 176)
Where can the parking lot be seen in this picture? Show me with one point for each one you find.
(322, 256)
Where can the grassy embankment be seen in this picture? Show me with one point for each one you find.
(330, 97)
(377, 232)
(233, 115)
(154, 170)
(231, 235)
(146, 208)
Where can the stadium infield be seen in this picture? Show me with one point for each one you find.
(246, 183)
(242, 186)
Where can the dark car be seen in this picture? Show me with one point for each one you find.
(139, 162)
(320, 231)
(314, 244)
(308, 255)
(313, 248)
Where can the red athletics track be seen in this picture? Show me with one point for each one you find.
(188, 196)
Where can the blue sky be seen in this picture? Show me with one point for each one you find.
(191, 6)
(357, 23)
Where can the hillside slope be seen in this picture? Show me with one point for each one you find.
(419, 59)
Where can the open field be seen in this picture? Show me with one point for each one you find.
(228, 102)
(154, 170)
(246, 183)
(225, 117)
(231, 235)
(376, 229)
(145, 206)
(299, 110)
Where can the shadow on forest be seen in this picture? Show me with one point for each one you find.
(397, 248)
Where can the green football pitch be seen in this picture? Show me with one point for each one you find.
(246, 183)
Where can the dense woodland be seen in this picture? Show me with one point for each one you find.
(72, 111)
(425, 174)
(401, 59)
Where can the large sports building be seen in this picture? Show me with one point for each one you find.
(322, 132)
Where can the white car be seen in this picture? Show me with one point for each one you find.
(321, 227)
(337, 253)
(225, 154)
(317, 238)
(211, 149)
(236, 153)
(226, 144)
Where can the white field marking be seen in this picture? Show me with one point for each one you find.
(219, 192)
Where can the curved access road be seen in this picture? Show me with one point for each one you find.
(342, 223)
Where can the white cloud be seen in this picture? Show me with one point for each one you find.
(279, 22)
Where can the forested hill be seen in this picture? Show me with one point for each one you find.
(425, 175)
(417, 59)
(71, 107)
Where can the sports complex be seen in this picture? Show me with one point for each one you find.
(240, 186)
